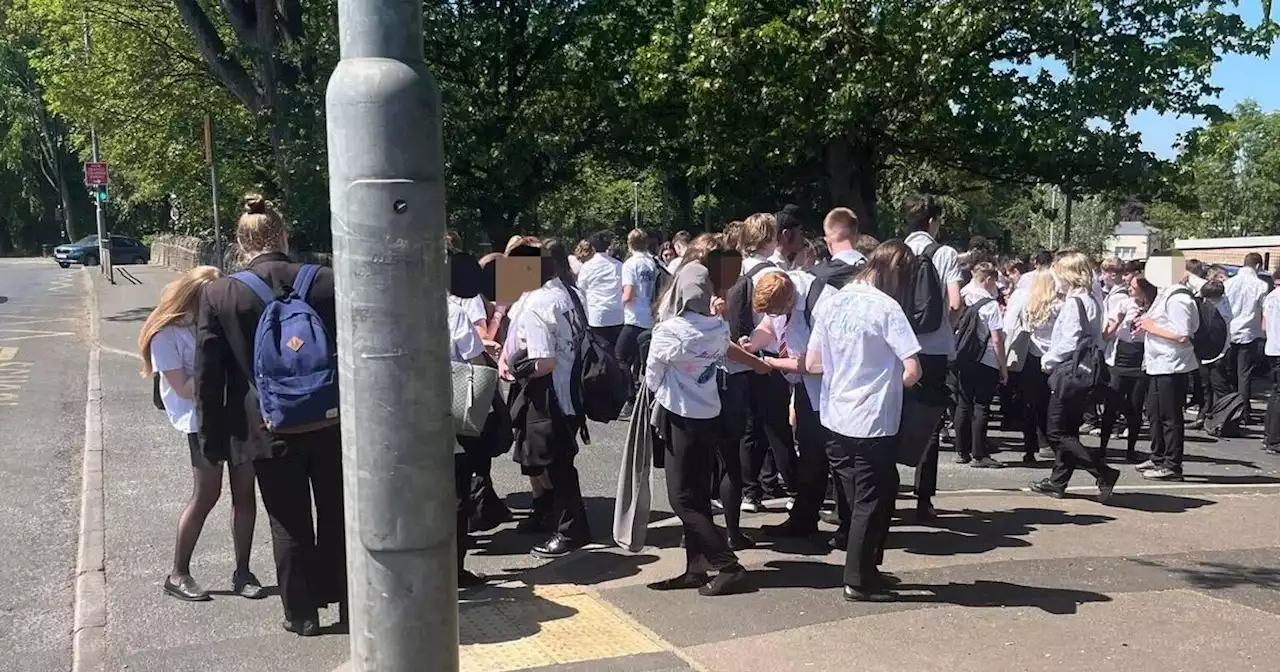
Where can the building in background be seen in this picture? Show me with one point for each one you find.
(1231, 250)
(1134, 240)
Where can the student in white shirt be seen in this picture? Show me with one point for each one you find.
(1169, 360)
(1128, 383)
(766, 425)
(686, 355)
(791, 240)
(865, 349)
(1034, 309)
(601, 283)
(639, 277)
(788, 304)
(540, 355)
(978, 379)
(937, 348)
(1271, 329)
(466, 346)
(1078, 326)
(167, 344)
(1245, 292)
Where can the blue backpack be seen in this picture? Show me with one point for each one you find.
(295, 361)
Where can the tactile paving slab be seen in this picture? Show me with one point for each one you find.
(542, 626)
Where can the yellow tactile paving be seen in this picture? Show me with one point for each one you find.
(546, 625)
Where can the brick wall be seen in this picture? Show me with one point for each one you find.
(1234, 255)
(183, 253)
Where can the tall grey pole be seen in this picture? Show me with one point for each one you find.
(386, 189)
(213, 188)
(104, 243)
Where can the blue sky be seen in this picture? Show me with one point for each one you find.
(1240, 77)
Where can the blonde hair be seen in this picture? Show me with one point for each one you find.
(984, 271)
(775, 294)
(583, 251)
(260, 228)
(638, 240)
(732, 233)
(178, 303)
(1040, 302)
(758, 231)
(1075, 269)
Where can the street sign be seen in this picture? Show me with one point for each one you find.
(96, 174)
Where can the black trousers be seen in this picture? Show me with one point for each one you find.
(728, 482)
(1273, 406)
(1127, 395)
(568, 511)
(868, 474)
(812, 468)
(1164, 407)
(462, 473)
(627, 351)
(931, 390)
(1065, 416)
(311, 557)
(689, 462)
(975, 388)
(1218, 381)
(1035, 397)
(609, 334)
(1242, 363)
(767, 430)
(487, 510)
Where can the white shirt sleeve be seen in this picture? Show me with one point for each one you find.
(992, 317)
(539, 333)
(947, 262)
(629, 269)
(165, 354)
(476, 309)
(1180, 310)
(466, 343)
(899, 334)
(663, 345)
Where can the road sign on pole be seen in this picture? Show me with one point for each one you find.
(97, 174)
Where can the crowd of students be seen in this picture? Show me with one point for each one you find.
(763, 365)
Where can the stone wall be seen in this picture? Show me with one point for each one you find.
(183, 253)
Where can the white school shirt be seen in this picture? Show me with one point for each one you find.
(748, 265)
(575, 265)
(780, 260)
(601, 283)
(798, 337)
(1122, 309)
(473, 308)
(1175, 311)
(685, 353)
(942, 341)
(1271, 309)
(989, 317)
(638, 272)
(1195, 283)
(462, 333)
(863, 337)
(1069, 331)
(174, 349)
(1245, 292)
(548, 327)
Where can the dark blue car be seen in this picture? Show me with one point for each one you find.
(124, 250)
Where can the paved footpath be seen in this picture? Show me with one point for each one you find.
(1169, 577)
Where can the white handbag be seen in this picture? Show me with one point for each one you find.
(474, 386)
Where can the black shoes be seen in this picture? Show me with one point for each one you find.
(1107, 485)
(539, 519)
(729, 581)
(925, 511)
(789, 530)
(830, 517)
(1047, 488)
(246, 585)
(682, 582)
(186, 589)
(839, 541)
(306, 626)
(986, 463)
(741, 542)
(963, 459)
(468, 579)
(881, 595)
(558, 546)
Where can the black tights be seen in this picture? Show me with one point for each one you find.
(206, 489)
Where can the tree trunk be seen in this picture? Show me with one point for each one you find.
(68, 218)
(852, 177)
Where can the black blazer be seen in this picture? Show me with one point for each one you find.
(231, 425)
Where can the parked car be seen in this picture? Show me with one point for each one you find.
(124, 250)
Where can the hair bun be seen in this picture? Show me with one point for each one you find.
(255, 204)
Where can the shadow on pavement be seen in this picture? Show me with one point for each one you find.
(1155, 502)
(1002, 594)
(1220, 575)
(521, 615)
(589, 568)
(973, 532)
(131, 315)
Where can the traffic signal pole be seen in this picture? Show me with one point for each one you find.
(386, 190)
(104, 243)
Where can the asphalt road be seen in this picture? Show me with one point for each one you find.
(43, 365)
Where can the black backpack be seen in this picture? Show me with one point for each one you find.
(661, 280)
(971, 341)
(832, 272)
(1210, 339)
(738, 305)
(599, 387)
(925, 303)
(1079, 376)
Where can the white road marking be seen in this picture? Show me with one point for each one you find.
(30, 334)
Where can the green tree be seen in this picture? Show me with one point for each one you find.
(842, 88)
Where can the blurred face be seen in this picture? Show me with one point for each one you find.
(668, 254)
(790, 241)
(1110, 278)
